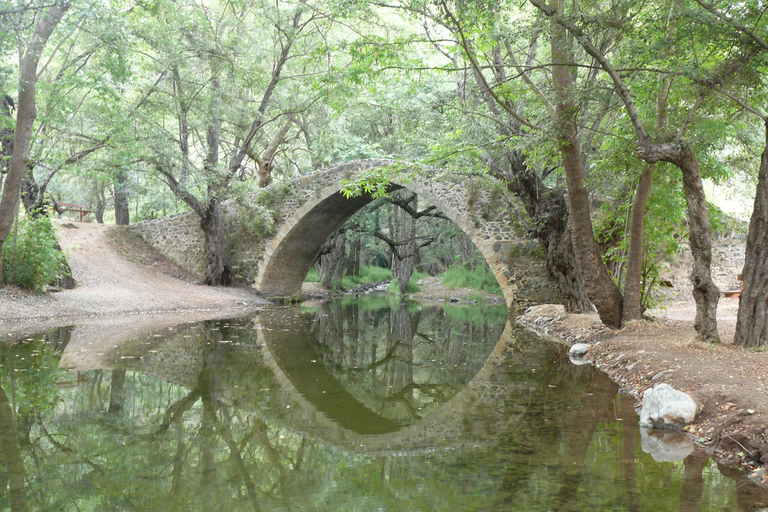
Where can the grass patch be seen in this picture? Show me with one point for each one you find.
(367, 275)
(411, 287)
(479, 278)
(312, 276)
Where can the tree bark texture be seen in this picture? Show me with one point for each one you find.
(332, 261)
(633, 286)
(122, 212)
(705, 291)
(601, 289)
(353, 259)
(752, 319)
(404, 256)
(218, 270)
(550, 225)
(25, 117)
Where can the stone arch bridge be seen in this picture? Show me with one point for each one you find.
(312, 207)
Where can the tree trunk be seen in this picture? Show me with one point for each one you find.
(752, 320)
(600, 288)
(705, 291)
(404, 256)
(550, 225)
(122, 211)
(353, 260)
(101, 205)
(332, 261)
(561, 264)
(116, 393)
(633, 308)
(25, 117)
(218, 271)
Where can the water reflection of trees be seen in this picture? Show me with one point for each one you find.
(403, 360)
(122, 440)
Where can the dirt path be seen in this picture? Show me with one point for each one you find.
(110, 284)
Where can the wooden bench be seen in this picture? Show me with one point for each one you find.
(81, 209)
(735, 294)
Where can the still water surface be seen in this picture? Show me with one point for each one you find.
(353, 405)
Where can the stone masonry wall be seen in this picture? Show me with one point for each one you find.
(727, 262)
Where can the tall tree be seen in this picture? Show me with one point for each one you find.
(672, 148)
(25, 116)
(600, 287)
(752, 320)
(201, 170)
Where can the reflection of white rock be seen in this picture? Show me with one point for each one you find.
(578, 349)
(577, 360)
(665, 446)
(666, 407)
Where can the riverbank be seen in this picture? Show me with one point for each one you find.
(729, 384)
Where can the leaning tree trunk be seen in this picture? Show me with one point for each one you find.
(752, 320)
(705, 291)
(601, 289)
(218, 271)
(633, 307)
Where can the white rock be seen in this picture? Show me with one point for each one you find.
(666, 407)
(578, 349)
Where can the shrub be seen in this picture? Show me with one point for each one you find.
(31, 259)
(255, 219)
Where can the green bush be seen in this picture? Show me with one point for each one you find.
(478, 278)
(367, 275)
(30, 258)
(255, 219)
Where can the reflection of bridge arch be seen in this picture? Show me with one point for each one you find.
(490, 403)
(320, 209)
(322, 416)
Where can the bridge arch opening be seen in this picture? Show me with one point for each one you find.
(323, 209)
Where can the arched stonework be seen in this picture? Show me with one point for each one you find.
(318, 208)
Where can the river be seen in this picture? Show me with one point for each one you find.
(358, 404)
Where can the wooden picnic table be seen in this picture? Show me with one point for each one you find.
(81, 209)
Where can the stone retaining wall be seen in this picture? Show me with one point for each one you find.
(727, 263)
